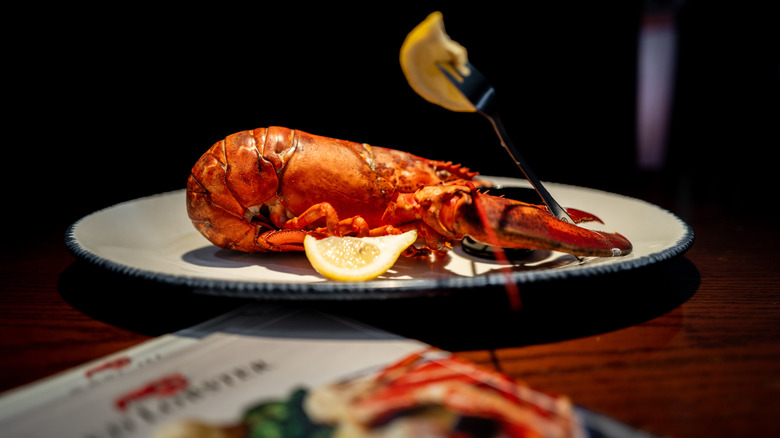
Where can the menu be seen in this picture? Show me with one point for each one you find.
(268, 370)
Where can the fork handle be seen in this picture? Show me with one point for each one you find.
(551, 203)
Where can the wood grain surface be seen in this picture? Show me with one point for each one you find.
(687, 348)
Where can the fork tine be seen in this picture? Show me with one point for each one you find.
(477, 75)
(474, 87)
(457, 81)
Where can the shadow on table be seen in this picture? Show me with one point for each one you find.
(135, 304)
(463, 320)
(551, 311)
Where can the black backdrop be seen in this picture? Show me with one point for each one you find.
(116, 102)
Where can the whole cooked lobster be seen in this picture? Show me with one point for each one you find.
(265, 189)
(443, 395)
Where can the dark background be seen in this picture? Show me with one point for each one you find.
(111, 103)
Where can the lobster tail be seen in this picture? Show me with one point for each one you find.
(229, 183)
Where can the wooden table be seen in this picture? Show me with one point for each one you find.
(688, 348)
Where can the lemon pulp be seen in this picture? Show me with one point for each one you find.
(356, 258)
(426, 46)
(349, 253)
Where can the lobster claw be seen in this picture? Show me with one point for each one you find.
(458, 211)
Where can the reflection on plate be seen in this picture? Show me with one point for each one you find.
(153, 238)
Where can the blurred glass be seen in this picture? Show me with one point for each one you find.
(656, 62)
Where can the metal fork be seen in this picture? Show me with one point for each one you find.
(476, 88)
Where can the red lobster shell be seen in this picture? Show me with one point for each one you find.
(263, 190)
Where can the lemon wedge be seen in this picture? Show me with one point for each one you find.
(424, 47)
(356, 258)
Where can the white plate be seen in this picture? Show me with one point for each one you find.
(153, 238)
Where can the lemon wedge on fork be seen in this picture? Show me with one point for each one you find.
(356, 258)
(426, 46)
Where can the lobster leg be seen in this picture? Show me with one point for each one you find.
(333, 226)
(452, 211)
(281, 240)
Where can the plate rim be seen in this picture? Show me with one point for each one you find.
(374, 289)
